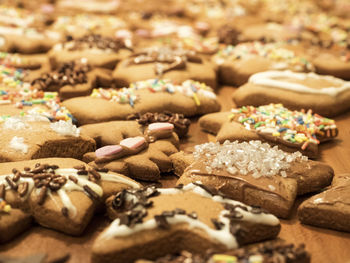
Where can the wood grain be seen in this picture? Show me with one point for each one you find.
(324, 245)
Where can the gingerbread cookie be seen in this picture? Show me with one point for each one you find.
(33, 136)
(256, 174)
(273, 123)
(329, 209)
(12, 221)
(83, 24)
(140, 152)
(163, 62)
(172, 219)
(326, 95)
(190, 98)
(27, 40)
(60, 193)
(98, 50)
(88, 6)
(267, 252)
(237, 63)
(73, 79)
(21, 61)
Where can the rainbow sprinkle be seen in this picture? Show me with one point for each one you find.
(292, 126)
(4, 207)
(218, 258)
(188, 88)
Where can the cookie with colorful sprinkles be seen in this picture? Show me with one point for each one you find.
(189, 98)
(60, 193)
(256, 173)
(290, 130)
(153, 222)
(138, 151)
(237, 63)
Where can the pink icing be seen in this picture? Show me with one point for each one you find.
(108, 150)
(133, 143)
(160, 126)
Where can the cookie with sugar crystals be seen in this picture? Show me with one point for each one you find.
(329, 209)
(60, 193)
(152, 222)
(237, 63)
(273, 123)
(176, 64)
(256, 173)
(326, 95)
(189, 98)
(32, 137)
(265, 252)
(97, 50)
(140, 152)
(73, 79)
(12, 221)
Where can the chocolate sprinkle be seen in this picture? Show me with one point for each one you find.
(64, 211)
(12, 184)
(91, 192)
(2, 191)
(218, 225)
(23, 189)
(162, 222)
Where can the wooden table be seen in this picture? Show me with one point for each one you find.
(326, 246)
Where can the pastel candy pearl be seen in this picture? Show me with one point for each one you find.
(160, 126)
(108, 150)
(133, 143)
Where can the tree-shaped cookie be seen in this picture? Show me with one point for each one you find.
(152, 222)
(140, 152)
(290, 130)
(60, 193)
(254, 173)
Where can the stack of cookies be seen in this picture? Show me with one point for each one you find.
(174, 131)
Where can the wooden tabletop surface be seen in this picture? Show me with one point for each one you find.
(325, 246)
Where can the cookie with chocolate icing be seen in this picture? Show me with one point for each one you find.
(27, 40)
(12, 221)
(73, 79)
(237, 63)
(273, 251)
(256, 173)
(140, 152)
(171, 218)
(189, 98)
(60, 193)
(176, 64)
(329, 209)
(33, 136)
(98, 50)
(326, 95)
(273, 123)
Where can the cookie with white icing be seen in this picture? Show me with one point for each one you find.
(176, 64)
(88, 6)
(273, 123)
(22, 61)
(325, 95)
(189, 98)
(329, 209)
(73, 79)
(27, 40)
(140, 152)
(255, 173)
(12, 221)
(97, 50)
(174, 219)
(60, 193)
(237, 63)
(33, 136)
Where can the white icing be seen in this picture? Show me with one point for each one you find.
(223, 235)
(65, 128)
(270, 79)
(70, 186)
(318, 201)
(17, 143)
